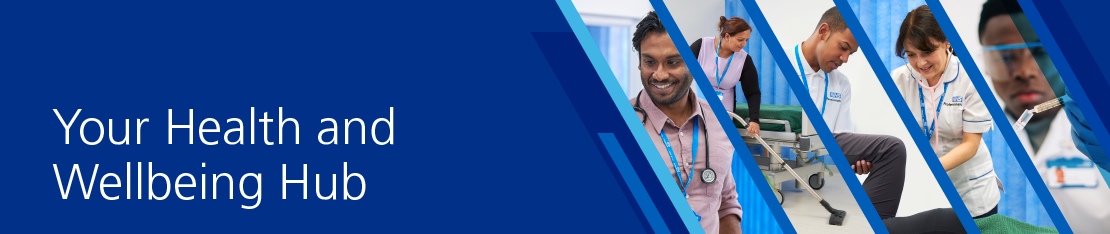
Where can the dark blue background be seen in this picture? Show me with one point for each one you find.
(485, 139)
(1089, 19)
(1077, 29)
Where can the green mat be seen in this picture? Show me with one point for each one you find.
(793, 114)
(1003, 224)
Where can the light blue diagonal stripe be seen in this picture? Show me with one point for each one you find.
(995, 109)
(633, 182)
(631, 119)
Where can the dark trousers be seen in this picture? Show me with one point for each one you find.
(943, 220)
(887, 156)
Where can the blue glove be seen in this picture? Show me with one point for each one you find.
(1083, 136)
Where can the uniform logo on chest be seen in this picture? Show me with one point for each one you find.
(956, 101)
(834, 96)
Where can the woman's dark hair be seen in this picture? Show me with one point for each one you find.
(732, 26)
(917, 29)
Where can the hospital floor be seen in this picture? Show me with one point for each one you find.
(808, 216)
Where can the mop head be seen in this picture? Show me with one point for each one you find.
(837, 217)
(1002, 224)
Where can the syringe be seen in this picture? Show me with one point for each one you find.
(1028, 114)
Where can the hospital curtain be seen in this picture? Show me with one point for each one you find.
(755, 220)
(773, 87)
(1019, 201)
(881, 21)
(774, 90)
(772, 84)
(615, 44)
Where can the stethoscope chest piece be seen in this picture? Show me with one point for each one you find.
(708, 176)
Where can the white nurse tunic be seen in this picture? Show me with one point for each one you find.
(962, 110)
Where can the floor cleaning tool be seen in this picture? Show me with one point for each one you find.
(837, 217)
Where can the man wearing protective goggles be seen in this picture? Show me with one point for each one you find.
(1019, 67)
(1024, 76)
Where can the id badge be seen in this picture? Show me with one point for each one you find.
(1071, 172)
(720, 95)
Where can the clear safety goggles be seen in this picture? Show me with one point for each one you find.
(1010, 58)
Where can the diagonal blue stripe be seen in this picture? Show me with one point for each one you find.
(583, 87)
(995, 109)
(722, 116)
(1076, 89)
(819, 124)
(633, 182)
(632, 120)
(904, 113)
(1082, 70)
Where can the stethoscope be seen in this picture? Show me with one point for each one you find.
(921, 96)
(708, 176)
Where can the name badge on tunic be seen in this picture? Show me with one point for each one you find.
(720, 95)
(1071, 172)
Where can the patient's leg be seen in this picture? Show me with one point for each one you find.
(941, 220)
(887, 155)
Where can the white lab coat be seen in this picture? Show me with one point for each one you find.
(1086, 209)
(837, 101)
(963, 111)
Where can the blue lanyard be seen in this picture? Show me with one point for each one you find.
(716, 60)
(929, 131)
(674, 161)
(805, 81)
(921, 95)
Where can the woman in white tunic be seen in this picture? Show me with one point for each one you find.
(948, 109)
